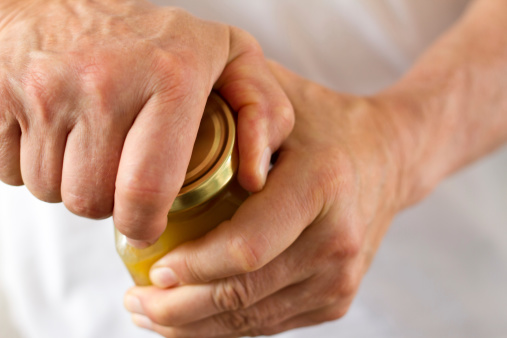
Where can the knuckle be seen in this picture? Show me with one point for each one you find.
(36, 83)
(346, 246)
(99, 79)
(352, 245)
(42, 88)
(346, 288)
(254, 117)
(285, 118)
(343, 251)
(195, 267)
(231, 294)
(94, 73)
(100, 73)
(342, 290)
(245, 255)
(175, 73)
(97, 207)
(240, 321)
(138, 190)
(135, 225)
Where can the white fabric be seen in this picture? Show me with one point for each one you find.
(440, 272)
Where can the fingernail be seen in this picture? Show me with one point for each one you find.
(163, 277)
(142, 321)
(138, 244)
(264, 164)
(133, 304)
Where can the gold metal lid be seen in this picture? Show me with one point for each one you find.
(214, 157)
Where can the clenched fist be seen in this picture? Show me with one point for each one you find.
(100, 103)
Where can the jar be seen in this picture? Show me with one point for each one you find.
(210, 193)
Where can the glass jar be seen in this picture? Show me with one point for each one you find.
(210, 194)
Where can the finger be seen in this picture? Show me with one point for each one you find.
(45, 120)
(265, 115)
(10, 135)
(279, 307)
(264, 226)
(189, 303)
(90, 164)
(296, 301)
(324, 251)
(154, 161)
(10, 138)
(42, 151)
(292, 302)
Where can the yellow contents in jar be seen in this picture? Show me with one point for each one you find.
(210, 194)
(181, 227)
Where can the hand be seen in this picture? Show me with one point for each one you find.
(100, 102)
(294, 254)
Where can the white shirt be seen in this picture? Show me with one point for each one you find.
(440, 272)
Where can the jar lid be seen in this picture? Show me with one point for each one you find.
(214, 159)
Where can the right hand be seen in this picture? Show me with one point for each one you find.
(294, 254)
(100, 103)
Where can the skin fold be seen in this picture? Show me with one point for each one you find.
(295, 253)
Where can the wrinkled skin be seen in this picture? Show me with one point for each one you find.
(294, 259)
(100, 102)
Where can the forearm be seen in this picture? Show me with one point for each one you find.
(451, 107)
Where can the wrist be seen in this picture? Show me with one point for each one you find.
(413, 135)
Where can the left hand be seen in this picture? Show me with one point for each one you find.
(294, 254)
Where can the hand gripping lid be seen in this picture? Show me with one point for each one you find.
(214, 159)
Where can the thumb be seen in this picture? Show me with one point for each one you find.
(153, 164)
(262, 228)
(265, 114)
